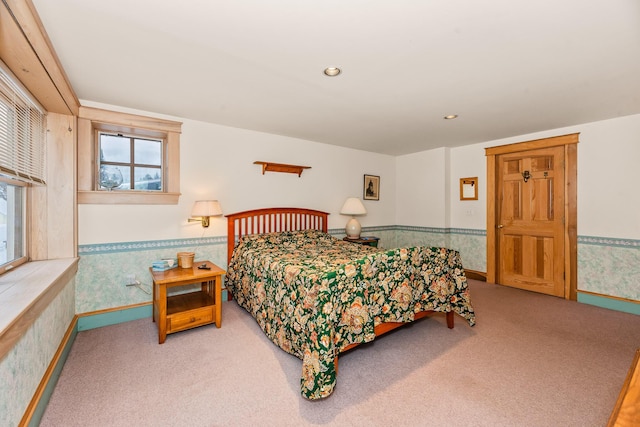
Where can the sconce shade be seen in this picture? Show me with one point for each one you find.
(204, 209)
(353, 206)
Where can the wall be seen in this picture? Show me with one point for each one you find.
(608, 200)
(216, 162)
(24, 366)
(608, 203)
(419, 204)
(421, 189)
(426, 196)
(43, 322)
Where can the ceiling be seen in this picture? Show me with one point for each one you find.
(505, 67)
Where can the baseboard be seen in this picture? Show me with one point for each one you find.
(610, 302)
(40, 399)
(113, 316)
(475, 275)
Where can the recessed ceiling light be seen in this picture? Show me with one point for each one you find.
(332, 71)
(451, 117)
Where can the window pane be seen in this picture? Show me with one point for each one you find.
(148, 179)
(114, 148)
(143, 171)
(147, 152)
(114, 177)
(12, 230)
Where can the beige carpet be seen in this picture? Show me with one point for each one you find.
(531, 360)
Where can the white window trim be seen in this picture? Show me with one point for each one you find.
(90, 121)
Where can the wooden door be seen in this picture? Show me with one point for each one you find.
(531, 220)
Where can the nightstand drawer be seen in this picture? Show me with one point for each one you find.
(189, 319)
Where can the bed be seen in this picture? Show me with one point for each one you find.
(316, 296)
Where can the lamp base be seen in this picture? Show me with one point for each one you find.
(353, 229)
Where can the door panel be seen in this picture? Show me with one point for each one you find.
(530, 235)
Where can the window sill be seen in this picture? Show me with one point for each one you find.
(26, 292)
(127, 198)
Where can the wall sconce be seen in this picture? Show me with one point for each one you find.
(203, 209)
(353, 206)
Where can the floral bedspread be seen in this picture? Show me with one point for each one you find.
(313, 294)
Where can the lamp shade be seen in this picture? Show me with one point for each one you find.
(202, 208)
(353, 206)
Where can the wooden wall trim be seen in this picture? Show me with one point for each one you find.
(534, 144)
(130, 122)
(491, 219)
(53, 222)
(571, 221)
(26, 49)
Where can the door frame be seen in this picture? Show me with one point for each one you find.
(569, 142)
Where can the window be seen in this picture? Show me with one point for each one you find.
(13, 232)
(22, 163)
(128, 159)
(129, 163)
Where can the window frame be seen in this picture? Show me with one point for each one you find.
(133, 163)
(26, 235)
(91, 121)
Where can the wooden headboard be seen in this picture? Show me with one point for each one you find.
(272, 220)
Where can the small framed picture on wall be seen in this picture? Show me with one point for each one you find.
(371, 187)
(469, 188)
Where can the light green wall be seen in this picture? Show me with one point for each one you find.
(103, 269)
(609, 266)
(606, 266)
(25, 365)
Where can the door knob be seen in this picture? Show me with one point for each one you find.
(500, 225)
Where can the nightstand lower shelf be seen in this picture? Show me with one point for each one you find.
(185, 311)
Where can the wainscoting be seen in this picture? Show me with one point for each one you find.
(608, 268)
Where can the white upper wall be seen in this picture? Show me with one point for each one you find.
(421, 197)
(608, 190)
(420, 189)
(468, 162)
(216, 162)
(608, 196)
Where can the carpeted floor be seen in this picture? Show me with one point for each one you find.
(531, 360)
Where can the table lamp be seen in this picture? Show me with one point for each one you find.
(353, 206)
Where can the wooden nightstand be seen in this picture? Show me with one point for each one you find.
(185, 311)
(364, 240)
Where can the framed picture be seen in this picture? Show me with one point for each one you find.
(469, 188)
(371, 189)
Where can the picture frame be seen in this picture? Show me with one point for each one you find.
(469, 188)
(371, 187)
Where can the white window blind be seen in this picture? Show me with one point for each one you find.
(22, 131)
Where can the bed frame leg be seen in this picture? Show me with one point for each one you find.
(450, 321)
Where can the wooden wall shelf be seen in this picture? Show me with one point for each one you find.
(280, 167)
